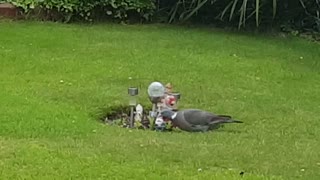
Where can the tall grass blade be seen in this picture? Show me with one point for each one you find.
(225, 10)
(173, 12)
(243, 14)
(257, 12)
(245, 2)
(195, 10)
(241, 18)
(235, 2)
(274, 9)
(302, 4)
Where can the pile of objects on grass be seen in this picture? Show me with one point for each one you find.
(143, 117)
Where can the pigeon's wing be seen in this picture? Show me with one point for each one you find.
(198, 117)
(180, 122)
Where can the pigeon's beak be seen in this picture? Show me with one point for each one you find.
(165, 119)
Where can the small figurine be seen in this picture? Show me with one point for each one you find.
(169, 88)
(160, 125)
(138, 113)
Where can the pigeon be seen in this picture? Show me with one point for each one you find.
(196, 120)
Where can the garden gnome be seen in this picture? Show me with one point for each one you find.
(138, 115)
(169, 88)
(195, 120)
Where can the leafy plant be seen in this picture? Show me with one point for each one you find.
(303, 13)
(299, 15)
(85, 9)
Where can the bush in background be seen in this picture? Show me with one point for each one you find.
(67, 10)
(293, 16)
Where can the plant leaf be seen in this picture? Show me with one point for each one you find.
(225, 10)
(194, 10)
(257, 12)
(274, 9)
(232, 9)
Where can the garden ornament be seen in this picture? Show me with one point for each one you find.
(133, 92)
(170, 98)
(138, 113)
(160, 124)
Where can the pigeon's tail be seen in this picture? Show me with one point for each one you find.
(232, 121)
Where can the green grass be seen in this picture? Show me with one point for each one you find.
(49, 128)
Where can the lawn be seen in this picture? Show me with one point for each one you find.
(56, 78)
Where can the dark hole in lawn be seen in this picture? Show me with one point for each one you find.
(120, 116)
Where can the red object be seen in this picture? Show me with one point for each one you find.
(171, 100)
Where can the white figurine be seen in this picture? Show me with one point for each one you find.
(139, 113)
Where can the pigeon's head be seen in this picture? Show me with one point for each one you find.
(168, 114)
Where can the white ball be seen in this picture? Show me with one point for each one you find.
(156, 89)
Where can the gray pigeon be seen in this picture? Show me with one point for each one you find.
(195, 120)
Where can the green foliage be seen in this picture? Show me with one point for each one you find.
(292, 15)
(303, 14)
(86, 9)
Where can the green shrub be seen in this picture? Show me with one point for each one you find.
(291, 15)
(85, 9)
